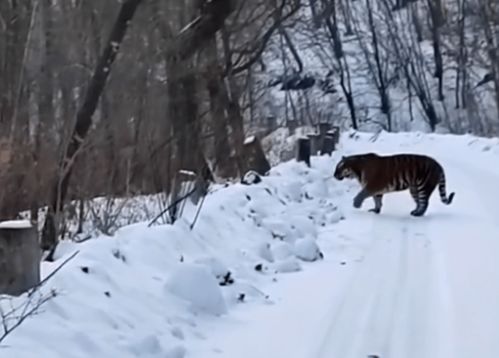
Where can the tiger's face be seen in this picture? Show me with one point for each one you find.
(344, 170)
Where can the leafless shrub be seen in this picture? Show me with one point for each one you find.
(105, 216)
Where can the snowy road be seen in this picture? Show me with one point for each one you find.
(391, 286)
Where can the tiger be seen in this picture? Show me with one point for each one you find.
(382, 174)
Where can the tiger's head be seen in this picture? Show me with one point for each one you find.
(351, 166)
(344, 169)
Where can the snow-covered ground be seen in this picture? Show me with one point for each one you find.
(309, 275)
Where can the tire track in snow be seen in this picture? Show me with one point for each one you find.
(422, 315)
(397, 298)
(468, 250)
(360, 323)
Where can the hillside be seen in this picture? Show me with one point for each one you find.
(402, 68)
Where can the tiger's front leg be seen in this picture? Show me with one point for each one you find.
(360, 197)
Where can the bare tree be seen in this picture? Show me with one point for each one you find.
(84, 120)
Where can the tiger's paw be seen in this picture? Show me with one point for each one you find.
(357, 203)
(417, 213)
(375, 210)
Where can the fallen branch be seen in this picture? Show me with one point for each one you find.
(32, 290)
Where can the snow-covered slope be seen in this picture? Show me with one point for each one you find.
(149, 292)
(309, 275)
(399, 47)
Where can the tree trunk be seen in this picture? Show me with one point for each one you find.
(225, 165)
(84, 121)
(436, 23)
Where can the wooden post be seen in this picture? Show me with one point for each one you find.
(335, 133)
(303, 150)
(315, 143)
(254, 157)
(328, 145)
(20, 257)
(324, 128)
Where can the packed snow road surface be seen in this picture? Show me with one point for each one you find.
(428, 288)
(392, 285)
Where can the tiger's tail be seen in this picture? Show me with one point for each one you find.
(441, 189)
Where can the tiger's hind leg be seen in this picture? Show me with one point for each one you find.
(377, 203)
(421, 198)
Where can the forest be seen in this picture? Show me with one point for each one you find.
(114, 99)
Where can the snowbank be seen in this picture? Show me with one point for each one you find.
(145, 292)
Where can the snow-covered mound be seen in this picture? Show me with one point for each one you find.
(145, 292)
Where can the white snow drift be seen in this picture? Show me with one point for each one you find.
(146, 291)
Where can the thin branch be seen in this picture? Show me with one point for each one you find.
(261, 45)
(42, 282)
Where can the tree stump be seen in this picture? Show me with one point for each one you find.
(315, 143)
(20, 257)
(303, 150)
(254, 157)
(328, 145)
